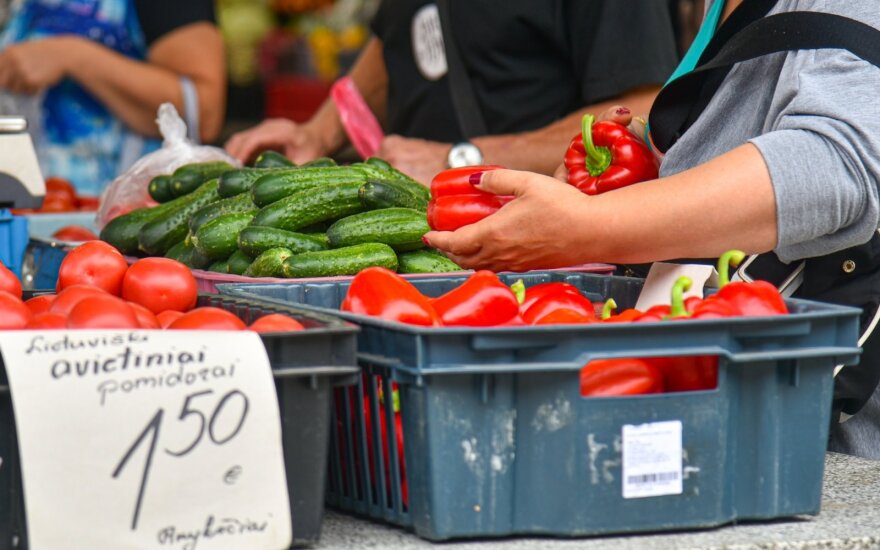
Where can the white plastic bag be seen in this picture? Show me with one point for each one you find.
(129, 190)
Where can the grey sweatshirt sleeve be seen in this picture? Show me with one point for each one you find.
(822, 149)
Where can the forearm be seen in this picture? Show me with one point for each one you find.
(725, 203)
(371, 79)
(546, 147)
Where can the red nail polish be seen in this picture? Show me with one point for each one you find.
(622, 111)
(474, 178)
(425, 240)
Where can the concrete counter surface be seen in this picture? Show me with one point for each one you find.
(850, 518)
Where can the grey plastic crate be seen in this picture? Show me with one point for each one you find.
(307, 366)
(498, 440)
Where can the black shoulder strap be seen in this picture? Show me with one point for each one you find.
(467, 110)
(682, 101)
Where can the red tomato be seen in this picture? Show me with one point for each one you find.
(102, 312)
(165, 318)
(75, 233)
(87, 204)
(208, 318)
(93, 263)
(146, 318)
(57, 203)
(60, 187)
(9, 282)
(276, 322)
(70, 296)
(40, 304)
(47, 321)
(14, 314)
(160, 284)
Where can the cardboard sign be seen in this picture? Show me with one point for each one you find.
(148, 439)
(658, 284)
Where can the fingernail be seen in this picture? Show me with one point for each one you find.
(622, 111)
(474, 178)
(425, 240)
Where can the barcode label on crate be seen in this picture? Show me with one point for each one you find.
(652, 459)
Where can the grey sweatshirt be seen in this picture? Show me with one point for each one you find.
(815, 117)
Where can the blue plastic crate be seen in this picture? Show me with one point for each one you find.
(13, 240)
(498, 440)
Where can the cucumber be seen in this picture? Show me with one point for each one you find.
(232, 205)
(219, 267)
(426, 260)
(269, 264)
(176, 251)
(189, 177)
(238, 262)
(320, 162)
(273, 159)
(379, 163)
(274, 187)
(240, 180)
(161, 233)
(340, 261)
(374, 173)
(327, 202)
(122, 231)
(388, 194)
(399, 228)
(160, 188)
(255, 240)
(218, 238)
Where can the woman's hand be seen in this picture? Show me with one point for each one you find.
(298, 142)
(30, 67)
(539, 229)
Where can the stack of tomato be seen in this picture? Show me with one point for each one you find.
(97, 289)
(61, 196)
(483, 300)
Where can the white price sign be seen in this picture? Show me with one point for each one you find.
(148, 439)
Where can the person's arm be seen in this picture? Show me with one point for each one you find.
(323, 134)
(728, 202)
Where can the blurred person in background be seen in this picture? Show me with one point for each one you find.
(99, 69)
(534, 68)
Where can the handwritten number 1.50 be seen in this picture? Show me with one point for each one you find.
(153, 427)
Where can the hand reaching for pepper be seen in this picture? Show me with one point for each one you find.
(525, 233)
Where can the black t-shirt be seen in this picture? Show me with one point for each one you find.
(159, 17)
(531, 62)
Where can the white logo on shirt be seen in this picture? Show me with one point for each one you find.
(427, 37)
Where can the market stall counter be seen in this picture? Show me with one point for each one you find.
(850, 518)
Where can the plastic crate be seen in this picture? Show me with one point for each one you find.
(307, 365)
(13, 240)
(498, 441)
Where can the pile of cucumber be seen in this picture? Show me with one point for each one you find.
(276, 219)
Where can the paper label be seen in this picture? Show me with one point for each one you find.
(148, 439)
(652, 459)
(427, 43)
(657, 289)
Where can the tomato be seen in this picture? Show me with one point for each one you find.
(40, 304)
(14, 314)
(93, 263)
(70, 296)
(102, 312)
(9, 282)
(47, 321)
(160, 284)
(60, 187)
(276, 322)
(146, 318)
(56, 203)
(167, 317)
(208, 318)
(75, 233)
(87, 204)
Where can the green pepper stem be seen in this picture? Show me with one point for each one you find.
(676, 308)
(597, 159)
(519, 290)
(609, 308)
(730, 258)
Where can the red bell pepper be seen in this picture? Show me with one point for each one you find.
(607, 156)
(382, 293)
(757, 298)
(624, 316)
(386, 447)
(481, 301)
(540, 291)
(693, 373)
(534, 311)
(451, 212)
(456, 181)
(617, 377)
(566, 316)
